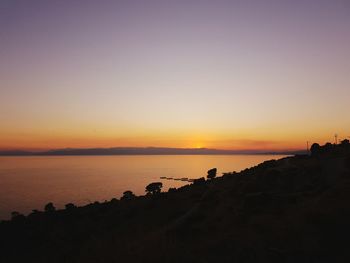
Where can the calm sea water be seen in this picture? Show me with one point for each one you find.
(28, 183)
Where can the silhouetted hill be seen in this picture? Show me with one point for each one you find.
(144, 151)
(295, 209)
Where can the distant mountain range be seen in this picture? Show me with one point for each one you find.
(143, 151)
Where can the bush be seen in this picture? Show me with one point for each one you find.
(199, 181)
(212, 173)
(127, 195)
(315, 149)
(345, 142)
(15, 214)
(70, 206)
(154, 188)
(49, 207)
(114, 201)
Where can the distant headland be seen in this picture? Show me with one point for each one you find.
(144, 151)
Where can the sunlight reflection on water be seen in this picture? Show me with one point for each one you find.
(28, 183)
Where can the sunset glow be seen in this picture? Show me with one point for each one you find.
(219, 74)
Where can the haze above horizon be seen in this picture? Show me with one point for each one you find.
(236, 75)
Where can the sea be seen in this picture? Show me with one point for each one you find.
(30, 182)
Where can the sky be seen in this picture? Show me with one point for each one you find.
(263, 74)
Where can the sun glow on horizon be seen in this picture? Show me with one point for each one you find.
(175, 74)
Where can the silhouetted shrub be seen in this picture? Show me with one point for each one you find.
(267, 164)
(70, 206)
(345, 142)
(212, 173)
(154, 188)
(127, 195)
(229, 175)
(35, 213)
(114, 200)
(199, 181)
(315, 149)
(49, 207)
(15, 214)
(328, 147)
(172, 189)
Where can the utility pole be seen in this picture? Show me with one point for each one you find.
(336, 138)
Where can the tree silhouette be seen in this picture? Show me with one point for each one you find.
(345, 142)
(114, 200)
(154, 188)
(49, 207)
(127, 195)
(212, 173)
(328, 147)
(15, 214)
(315, 149)
(70, 206)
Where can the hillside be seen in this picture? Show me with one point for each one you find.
(296, 209)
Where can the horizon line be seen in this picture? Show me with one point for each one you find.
(149, 150)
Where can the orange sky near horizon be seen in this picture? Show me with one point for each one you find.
(239, 141)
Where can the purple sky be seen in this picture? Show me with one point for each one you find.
(225, 74)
